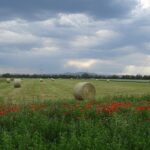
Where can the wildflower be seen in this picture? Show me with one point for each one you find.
(147, 119)
(34, 107)
(88, 106)
(2, 113)
(142, 108)
(9, 109)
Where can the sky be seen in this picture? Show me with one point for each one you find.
(96, 36)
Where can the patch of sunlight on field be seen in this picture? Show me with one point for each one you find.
(62, 89)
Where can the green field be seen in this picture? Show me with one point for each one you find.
(45, 116)
(61, 89)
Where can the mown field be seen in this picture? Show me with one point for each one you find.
(33, 90)
(45, 116)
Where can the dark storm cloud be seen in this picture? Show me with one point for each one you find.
(52, 36)
(40, 9)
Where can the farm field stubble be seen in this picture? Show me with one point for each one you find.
(62, 89)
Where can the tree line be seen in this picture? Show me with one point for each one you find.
(76, 76)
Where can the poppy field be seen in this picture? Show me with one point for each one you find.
(116, 120)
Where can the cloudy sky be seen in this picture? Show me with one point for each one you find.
(58, 36)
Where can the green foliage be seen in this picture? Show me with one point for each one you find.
(56, 128)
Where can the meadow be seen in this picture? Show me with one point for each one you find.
(45, 115)
(62, 89)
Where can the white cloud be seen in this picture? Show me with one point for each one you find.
(145, 4)
(123, 42)
(81, 63)
(47, 23)
(142, 9)
(14, 25)
(86, 63)
(13, 37)
(98, 38)
(75, 20)
(134, 70)
(133, 58)
(48, 46)
(44, 50)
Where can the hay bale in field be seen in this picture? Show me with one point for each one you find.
(108, 80)
(84, 90)
(8, 80)
(52, 79)
(17, 83)
(41, 80)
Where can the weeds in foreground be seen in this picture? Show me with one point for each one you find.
(76, 125)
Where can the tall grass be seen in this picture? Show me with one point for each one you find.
(75, 125)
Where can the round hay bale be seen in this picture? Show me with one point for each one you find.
(8, 80)
(52, 79)
(84, 90)
(108, 80)
(17, 83)
(41, 80)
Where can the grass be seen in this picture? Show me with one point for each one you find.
(64, 125)
(43, 116)
(60, 89)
